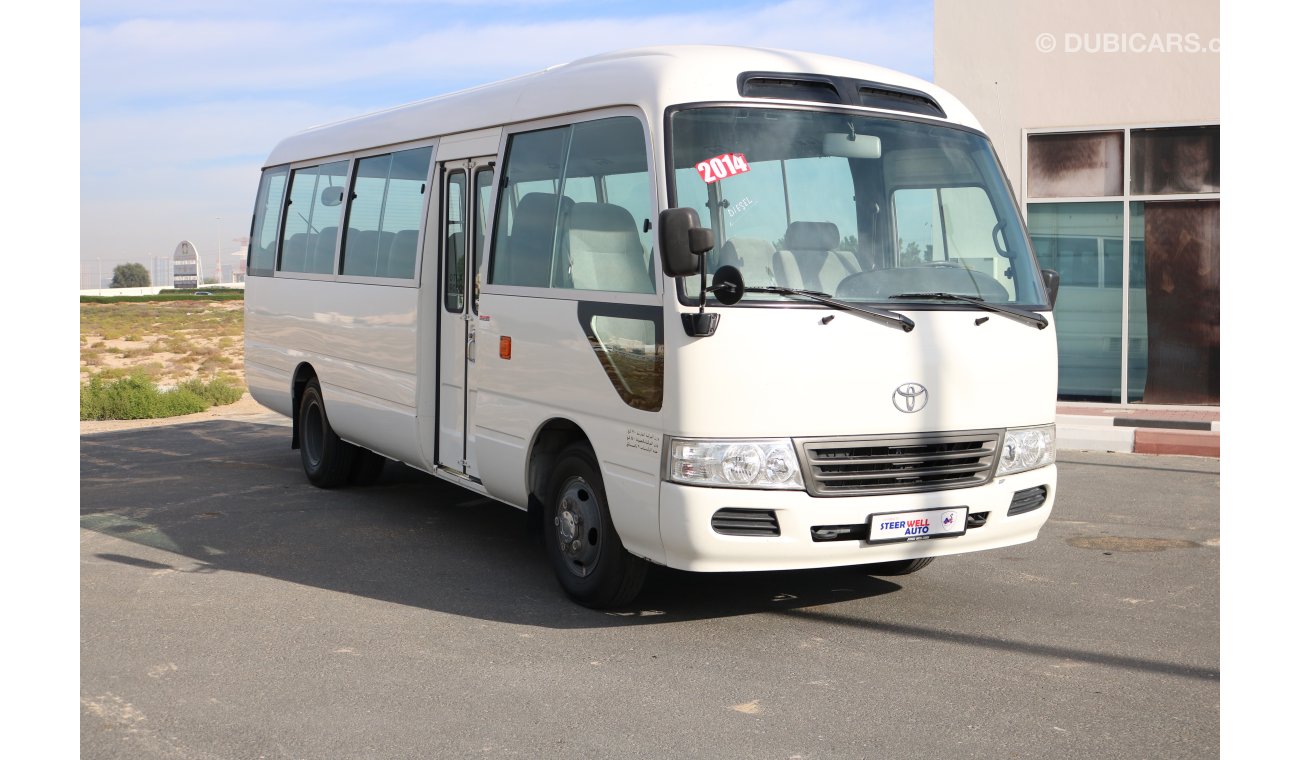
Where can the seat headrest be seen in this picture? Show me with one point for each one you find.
(820, 236)
(601, 217)
(536, 208)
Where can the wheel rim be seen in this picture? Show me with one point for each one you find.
(313, 433)
(577, 525)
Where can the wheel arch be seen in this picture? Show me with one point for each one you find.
(552, 437)
(303, 374)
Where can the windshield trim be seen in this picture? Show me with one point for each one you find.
(670, 177)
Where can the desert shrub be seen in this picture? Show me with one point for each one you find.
(218, 392)
(135, 398)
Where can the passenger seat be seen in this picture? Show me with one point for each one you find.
(605, 251)
(810, 259)
(753, 257)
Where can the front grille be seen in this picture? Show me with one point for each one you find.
(745, 522)
(1027, 500)
(899, 463)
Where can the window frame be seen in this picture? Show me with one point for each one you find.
(353, 158)
(500, 197)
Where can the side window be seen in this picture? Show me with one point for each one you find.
(632, 192)
(950, 223)
(483, 190)
(311, 224)
(266, 222)
(917, 222)
(454, 216)
(383, 227)
(523, 244)
(600, 246)
(587, 233)
(954, 224)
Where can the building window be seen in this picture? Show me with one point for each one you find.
(1138, 310)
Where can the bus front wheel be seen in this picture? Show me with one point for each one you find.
(589, 560)
(326, 458)
(898, 566)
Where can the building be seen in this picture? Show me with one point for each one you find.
(1106, 116)
(187, 267)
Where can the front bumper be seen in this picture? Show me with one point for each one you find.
(691, 543)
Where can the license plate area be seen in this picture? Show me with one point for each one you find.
(916, 525)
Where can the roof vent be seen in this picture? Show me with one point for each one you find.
(787, 87)
(874, 95)
(821, 88)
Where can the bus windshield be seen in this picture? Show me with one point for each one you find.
(860, 208)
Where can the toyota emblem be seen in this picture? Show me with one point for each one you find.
(910, 397)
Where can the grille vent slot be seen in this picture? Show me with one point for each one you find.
(1027, 500)
(899, 464)
(745, 522)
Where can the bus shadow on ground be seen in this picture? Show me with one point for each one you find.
(231, 497)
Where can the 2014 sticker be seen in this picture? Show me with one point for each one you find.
(721, 167)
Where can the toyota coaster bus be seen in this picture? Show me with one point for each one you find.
(714, 308)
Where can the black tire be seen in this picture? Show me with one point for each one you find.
(326, 458)
(367, 466)
(898, 566)
(585, 551)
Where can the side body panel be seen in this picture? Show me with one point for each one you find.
(362, 342)
(554, 373)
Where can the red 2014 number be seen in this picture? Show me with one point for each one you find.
(721, 167)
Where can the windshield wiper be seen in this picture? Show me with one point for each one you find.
(883, 316)
(1024, 315)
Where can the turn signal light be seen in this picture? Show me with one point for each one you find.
(505, 346)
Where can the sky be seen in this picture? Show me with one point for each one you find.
(181, 101)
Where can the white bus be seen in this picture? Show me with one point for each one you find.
(719, 309)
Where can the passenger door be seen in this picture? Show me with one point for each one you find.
(466, 187)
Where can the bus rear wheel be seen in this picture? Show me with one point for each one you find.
(585, 551)
(326, 458)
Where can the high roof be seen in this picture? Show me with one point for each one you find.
(650, 78)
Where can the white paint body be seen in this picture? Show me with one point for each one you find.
(766, 373)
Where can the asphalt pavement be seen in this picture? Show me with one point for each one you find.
(231, 610)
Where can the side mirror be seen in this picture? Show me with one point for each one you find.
(682, 241)
(1052, 279)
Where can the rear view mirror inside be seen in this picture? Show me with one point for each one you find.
(851, 145)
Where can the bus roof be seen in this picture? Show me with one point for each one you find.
(651, 78)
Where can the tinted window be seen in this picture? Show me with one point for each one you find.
(384, 215)
(266, 222)
(311, 224)
(560, 223)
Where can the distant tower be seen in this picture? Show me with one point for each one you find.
(188, 269)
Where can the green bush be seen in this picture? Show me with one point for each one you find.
(135, 398)
(218, 392)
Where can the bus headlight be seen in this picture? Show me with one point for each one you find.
(768, 463)
(1027, 448)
